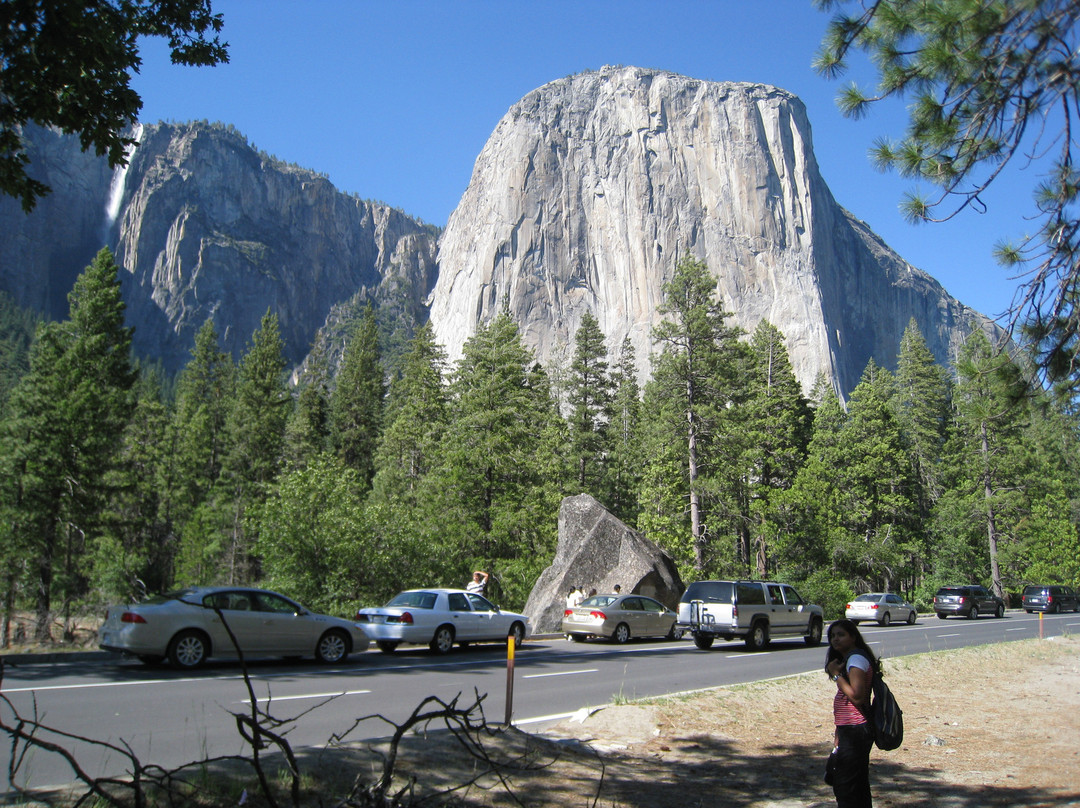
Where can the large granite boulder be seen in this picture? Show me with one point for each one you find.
(597, 551)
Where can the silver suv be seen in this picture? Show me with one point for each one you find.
(754, 611)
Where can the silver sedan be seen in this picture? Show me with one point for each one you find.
(439, 618)
(881, 607)
(188, 626)
(619, 617)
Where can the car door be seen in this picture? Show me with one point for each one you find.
(633, 614)
(653, 623)
(489, 622)
(283, 628)
(466, 622)
(797, 619)
(987, 604)
(244, 623)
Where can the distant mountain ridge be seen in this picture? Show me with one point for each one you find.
(588, 191)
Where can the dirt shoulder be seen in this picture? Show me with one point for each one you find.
(986, 726)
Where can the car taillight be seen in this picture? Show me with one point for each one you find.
(874, 605)
(848, 606)
(406, 617)
(568, 612)
(598, 615)
(132, 617)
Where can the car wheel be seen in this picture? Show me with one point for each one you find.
(758, 637)
(974, 613)
(621, 634)
(386, 646)
(941, 616)
(443, 640)
(517, 631)
(333, 647)
(1028, 611)
(814, 637)
(911, 618)
(577, 637)
(151, 659)
(188, 649)
(703, 641)
(1000, 611)
(673, 633)
(885, 619)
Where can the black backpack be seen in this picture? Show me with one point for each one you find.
(885, 716)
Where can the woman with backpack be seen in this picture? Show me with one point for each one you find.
(852, 665)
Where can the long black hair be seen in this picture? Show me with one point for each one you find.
(860, 644)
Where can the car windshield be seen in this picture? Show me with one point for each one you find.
(186, 595)
(415, 600)
(868, 598)
(599, 600)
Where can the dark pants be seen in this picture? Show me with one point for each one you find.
(851, 783)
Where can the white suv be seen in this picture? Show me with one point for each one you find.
(754, 611)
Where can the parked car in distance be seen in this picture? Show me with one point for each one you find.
(881, 607)
(619, 617)
(1044, 598)
(967, 601)
(186, 627)
(439, 618)
(754, 611)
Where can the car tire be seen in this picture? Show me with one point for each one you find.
(885, 619)
(814, 637)
(577, 637)
(973, 613)
(517, 631)
(1000, 611)
(703, 641)
(442, 641)
(911, 618)
(189, 649)
(673, 633)
(1029, 611)
(758, 637)
(386, 646)
(333, 647)
(621, 634)
(941, 616)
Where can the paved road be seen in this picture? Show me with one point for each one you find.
(170, 717)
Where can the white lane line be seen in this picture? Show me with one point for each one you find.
(563, 673)
(939, 636)
(305, 696)
(745, 655)
(517, 722)
(1017, 629)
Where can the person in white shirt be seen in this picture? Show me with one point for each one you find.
(478, 584)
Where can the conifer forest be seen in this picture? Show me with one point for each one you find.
(394, 469)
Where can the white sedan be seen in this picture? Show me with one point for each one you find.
(188, 627)
(439, 618)
(881, 607)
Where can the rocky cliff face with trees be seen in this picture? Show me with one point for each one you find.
(592, 187)
(204, 226)
(585, 196)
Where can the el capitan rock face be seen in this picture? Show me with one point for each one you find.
(592, 187)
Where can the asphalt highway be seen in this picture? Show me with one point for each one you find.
(170, 717)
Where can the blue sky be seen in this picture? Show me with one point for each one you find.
(393, 101)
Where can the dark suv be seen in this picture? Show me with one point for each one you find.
(967, 601)
(1050, 599)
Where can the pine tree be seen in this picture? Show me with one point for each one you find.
(256, 428)
(416, 419)
(624, 477)
(697, 383)
(356, 403)
(307, 433)
(68, 414)
(777, 430)
(590, 396)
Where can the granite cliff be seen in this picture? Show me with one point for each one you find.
(204, 225)
(583, 199)
(592, 187)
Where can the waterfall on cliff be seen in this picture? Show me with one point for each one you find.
(116, 187)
